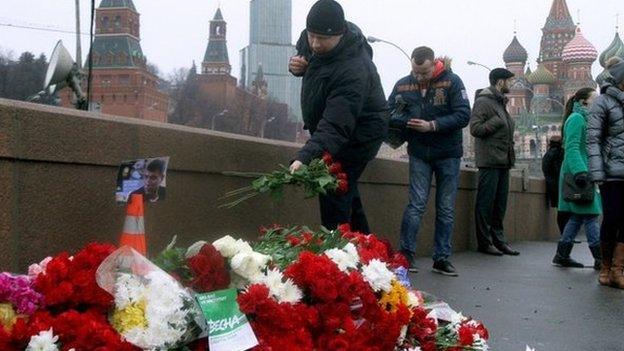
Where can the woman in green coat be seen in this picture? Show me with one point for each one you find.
(575, 163)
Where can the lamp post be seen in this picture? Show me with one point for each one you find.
(472, 63)
(372, 39)
(222, 113)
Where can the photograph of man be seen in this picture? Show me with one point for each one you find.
(153, 189)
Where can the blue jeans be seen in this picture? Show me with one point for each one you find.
(592, 229)
(447, 180)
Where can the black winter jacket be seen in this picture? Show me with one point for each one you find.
(605, 135)
(342, 101)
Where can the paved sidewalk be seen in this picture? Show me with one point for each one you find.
(525, 300)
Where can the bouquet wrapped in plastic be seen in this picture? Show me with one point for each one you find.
(152, 310)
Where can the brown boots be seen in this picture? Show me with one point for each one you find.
(607, 259)
(616, 275)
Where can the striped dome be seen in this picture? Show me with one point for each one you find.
(542, 76)
(579, 49)
(515, 52)
(616, 48)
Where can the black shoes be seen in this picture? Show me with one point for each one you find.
(444, 267)
(507, 250)
(410, 259)
(489, 250)
(562, 257)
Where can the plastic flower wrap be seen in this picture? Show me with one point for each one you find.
(152, 310)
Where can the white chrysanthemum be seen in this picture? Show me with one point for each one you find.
(249, 265)
(342, 259)
(128, 289)
(226, 246)
(165, 312)
(378, 276)
(351, 250)
(44, 341)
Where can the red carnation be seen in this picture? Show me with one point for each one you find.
(342, 175)
(465, 335)
(209, 270)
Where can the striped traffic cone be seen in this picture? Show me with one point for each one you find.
(133, 234)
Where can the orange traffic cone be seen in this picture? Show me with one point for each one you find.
(133, 234)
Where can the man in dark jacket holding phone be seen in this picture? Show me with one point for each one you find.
(438, 110)
(343, 105)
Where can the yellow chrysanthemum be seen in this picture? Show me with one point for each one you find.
(397, 296)
(130, 317)
(7, 316)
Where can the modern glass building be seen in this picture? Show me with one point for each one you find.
(270, 45)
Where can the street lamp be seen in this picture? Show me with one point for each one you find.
(472, 63)
(372, 39)
(212, 124)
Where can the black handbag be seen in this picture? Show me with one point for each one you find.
(573, 193)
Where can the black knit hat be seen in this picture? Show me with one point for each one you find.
(500, 73)
(326, 17)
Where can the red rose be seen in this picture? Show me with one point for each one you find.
(327, 158)
(335, 168)
(343, 187)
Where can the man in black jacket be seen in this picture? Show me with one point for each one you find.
(493, 130)
(343, 105)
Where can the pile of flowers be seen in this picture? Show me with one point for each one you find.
(321, 176)
(300, 290)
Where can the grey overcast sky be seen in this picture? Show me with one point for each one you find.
(174, 33)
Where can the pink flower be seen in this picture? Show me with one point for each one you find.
(38, 268)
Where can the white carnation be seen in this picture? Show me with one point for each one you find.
(282, 291)
(378, 276)
(44, 341)
(342, 259)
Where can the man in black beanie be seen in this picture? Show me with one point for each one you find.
(343, 105)
(493, 130)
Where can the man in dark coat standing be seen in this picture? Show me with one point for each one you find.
(493, 129)
(343, 105)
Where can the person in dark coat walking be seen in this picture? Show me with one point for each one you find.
(493, 130)
(605, 140)
(343, 105)
(551, 167)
